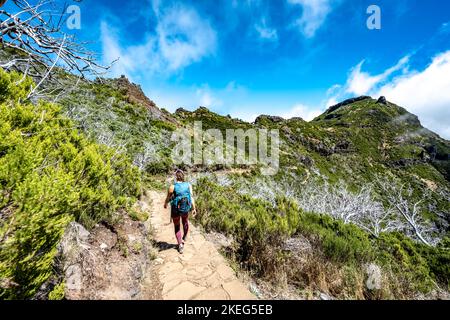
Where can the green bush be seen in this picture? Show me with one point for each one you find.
(50, 174)
(58, 292)
(406, 260)
(343, 243)
(438, 259)
(260, 229)
(257, 226)
(13, 86)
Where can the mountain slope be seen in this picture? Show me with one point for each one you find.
(355, 163)
(329, 211)
(354, 142)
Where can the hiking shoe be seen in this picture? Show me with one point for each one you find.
(180, 248)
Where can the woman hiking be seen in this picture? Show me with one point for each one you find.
(182, 202)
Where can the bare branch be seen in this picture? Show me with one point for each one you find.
(399, 196)
(33, 41)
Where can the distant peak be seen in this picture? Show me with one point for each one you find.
(181, 110)
(202, 109)
(274, 119)
(135, 94)
(297, 119)
(347, 102)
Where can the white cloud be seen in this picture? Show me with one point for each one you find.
(425, 93)
(332, 102)
(113, 51)
(182, 38)
(265, 32)
(128, 59)
(313, 16)
(302, 111)
(361, 83)
(206, 98)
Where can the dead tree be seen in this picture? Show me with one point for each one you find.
(360, 208)
(400, 198)
(34, 42)
(377, 220)
(148, 155)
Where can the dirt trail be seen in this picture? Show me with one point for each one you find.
(200, 273)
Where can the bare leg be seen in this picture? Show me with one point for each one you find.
(176, 223)
(185, 220)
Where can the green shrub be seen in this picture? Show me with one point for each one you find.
(405, 259)
(164, 125)
(13, 86)
(257, 226)
(58, 292)
(138, 215)
(438, 259)
(344, 243)
(50, 174)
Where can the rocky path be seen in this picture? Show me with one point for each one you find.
(200, 273)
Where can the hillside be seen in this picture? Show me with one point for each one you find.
(327, 165)
(51, 174)
(362, 187)
(364, 163)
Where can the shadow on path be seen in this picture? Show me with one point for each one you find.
(163, 246)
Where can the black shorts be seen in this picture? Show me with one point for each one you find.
(175, 213)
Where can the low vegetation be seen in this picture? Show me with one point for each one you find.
(50, 174)
(278, 240)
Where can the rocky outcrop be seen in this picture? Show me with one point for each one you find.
(333, 116)
(134, 94)
(71, 250)
(271, 119)
(181, 111)
(373, 277)
(290, 136)
(432, 151)
(408, 119)
(343, 147)
(307, 161)
(382, 100)
(324, 149)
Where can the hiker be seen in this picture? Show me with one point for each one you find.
(182, 202)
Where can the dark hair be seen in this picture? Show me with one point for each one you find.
(179, 175)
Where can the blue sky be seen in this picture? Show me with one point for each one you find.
(279, 57)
